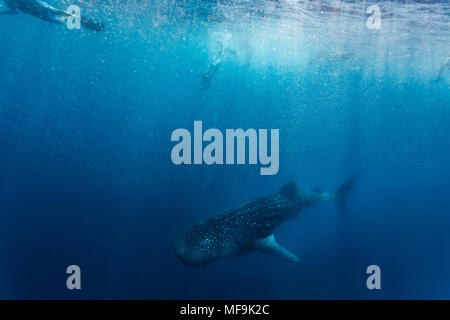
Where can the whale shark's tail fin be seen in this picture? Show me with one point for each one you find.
(342, 192)
(91, 25)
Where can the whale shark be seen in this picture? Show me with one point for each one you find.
(46, 12)
(250, 227)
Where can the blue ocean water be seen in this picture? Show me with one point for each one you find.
(86, 176)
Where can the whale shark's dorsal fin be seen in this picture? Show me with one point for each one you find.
(318, 190)
(270, 246)
(289, 190)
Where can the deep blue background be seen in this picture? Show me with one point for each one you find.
(86, 176)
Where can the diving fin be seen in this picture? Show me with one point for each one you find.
(91, 25)
(270, 246)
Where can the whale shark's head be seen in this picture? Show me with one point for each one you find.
(201, 245)
(197, 248)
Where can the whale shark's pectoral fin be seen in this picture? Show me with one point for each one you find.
(270, 246)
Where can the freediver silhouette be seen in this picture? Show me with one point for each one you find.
(221, 55)
(46, 12)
